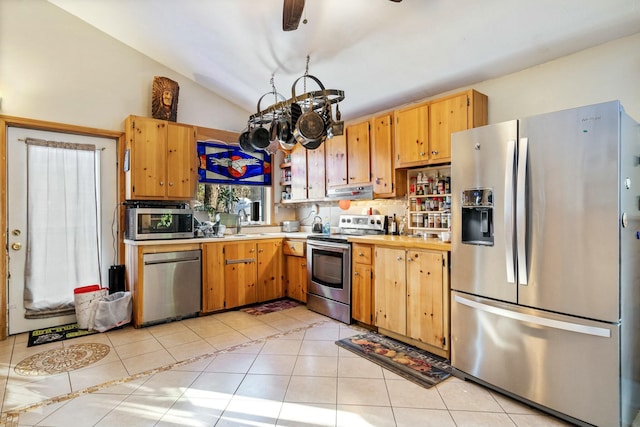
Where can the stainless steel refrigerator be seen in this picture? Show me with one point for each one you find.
(545, 267)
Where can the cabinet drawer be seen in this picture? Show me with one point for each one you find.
(294, 247)
(361, 254)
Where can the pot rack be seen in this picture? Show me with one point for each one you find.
(315, 100)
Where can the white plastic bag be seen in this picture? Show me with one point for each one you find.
(111, 311)
(83, 303)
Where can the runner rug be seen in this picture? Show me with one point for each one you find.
(270, 307)
(58, 333)
(416, 365)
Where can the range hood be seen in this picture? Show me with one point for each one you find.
(351, 193)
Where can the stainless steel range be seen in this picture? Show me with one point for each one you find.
(329, 265)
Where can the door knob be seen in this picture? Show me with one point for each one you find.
(16, 246)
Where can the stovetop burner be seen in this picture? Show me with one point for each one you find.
(354, 225)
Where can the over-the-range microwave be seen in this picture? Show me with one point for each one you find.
(158, 223)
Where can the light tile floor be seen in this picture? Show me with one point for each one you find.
(235, 369)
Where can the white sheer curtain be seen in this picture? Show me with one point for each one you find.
(62, 224)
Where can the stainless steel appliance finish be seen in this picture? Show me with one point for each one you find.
(545, 302)
(154, 223)
(172, 286)
(351, 193)
(329, 278)
(329, 265)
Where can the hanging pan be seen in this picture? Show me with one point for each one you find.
(310, 129)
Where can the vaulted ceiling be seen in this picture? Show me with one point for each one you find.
(381, 53)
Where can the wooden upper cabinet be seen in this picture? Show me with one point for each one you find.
(336, 155)
(412, 133)
(161, 160)
(423, 131)
(316, 188)
(452, 114)
(358, 154)
(307, 173)
(298, 173)
(387, 182)
(181, 161)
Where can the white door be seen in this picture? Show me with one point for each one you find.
(17, 218)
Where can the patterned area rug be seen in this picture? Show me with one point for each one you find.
(418, 366)
(270, 307)
(60, 360)
(58, 333)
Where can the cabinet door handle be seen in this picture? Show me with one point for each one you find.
(161, 183)
(170, 184)
(409, 259)
(399, 258)
(361, 254)
(434, 152)
(355, 273)
(260, 251)
(422, 153)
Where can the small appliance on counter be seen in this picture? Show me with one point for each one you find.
(316, 227)
(154, 220)
(290, 226)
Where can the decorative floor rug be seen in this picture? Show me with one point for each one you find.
(270, 307)
(418, 366)
(58, 360)
(58, 333)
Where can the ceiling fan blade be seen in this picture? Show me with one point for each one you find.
(291, 13)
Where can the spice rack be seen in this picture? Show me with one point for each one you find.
(429, 198)
(285, 177)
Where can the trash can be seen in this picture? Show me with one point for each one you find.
(82, 298)
(111, 311)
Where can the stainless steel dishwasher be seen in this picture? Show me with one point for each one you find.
(172, 286)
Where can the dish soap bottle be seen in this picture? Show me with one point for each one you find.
(326, 226)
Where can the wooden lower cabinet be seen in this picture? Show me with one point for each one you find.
(212, 277)
(362, 283)
(269, 270)
(425, 297)
(412, 296)
(295, 261)
(240, 273)
(391, 289)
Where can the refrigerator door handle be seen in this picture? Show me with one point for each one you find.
(536, 320)
(521, 211)
(508, 210)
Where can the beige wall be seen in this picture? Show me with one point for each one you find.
(607, 72)
(57, 68)
(603, 73)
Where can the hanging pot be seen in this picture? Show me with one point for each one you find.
(335, 128)
(274, 144)
(260, 136)
(290, 141)
(310, 128)
(244, 143)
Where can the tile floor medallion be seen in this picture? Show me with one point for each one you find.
(57, 360)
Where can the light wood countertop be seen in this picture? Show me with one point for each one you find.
(403, 242)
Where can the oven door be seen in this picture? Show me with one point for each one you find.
(329, 270)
